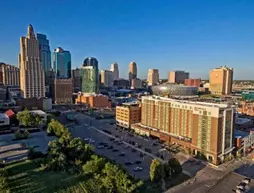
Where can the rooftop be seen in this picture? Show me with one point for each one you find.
(38, 112)
(3, 116)
(207, 104)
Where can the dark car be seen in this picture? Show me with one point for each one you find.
(138, 162)
(127, 163)
(110, 147)
(133, 150)
(141, 155)
(122, 154)
(115, 150)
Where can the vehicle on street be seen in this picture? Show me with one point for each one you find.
(137, 169)
(138, 162)
(122, 154)
(115, 150)
(133, 150)
(127, 163)
(110, 147)
(100, 147)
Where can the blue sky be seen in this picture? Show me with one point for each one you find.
(191, 35)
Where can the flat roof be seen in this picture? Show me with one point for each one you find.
(3, 116)
(39, 112)
(239, 133)
(208, 104)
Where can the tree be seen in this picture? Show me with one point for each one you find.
(95, 165)
(18, 134)
(26, 134)
(25, 118)
(175, 166)
(55, 127)
(156, 171)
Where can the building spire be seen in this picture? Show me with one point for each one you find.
(30, 32)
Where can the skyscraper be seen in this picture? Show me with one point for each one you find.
(62, 63)
(132, 71)
(45, 55)
(107, 78)
(221, 80)
(114, 69)
(32, 77)
(178, 76)
(153, 77)
(90, 75)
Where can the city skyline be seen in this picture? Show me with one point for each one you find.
(222, 37)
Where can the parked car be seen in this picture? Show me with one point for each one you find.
(122, 154)
(138, 169)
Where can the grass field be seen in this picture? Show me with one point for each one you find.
(25, 177)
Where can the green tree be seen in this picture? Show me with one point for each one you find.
(25, 118)
(18, 134)
(156, 171)
(55, 127)
(26, 134)
(93, 166)
(175, 166)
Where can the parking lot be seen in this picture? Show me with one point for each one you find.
(138, 166)
(150, 145)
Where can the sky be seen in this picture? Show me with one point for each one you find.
(191, 35)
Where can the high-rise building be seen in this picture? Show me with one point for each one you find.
(221, 80)
(89, 77)
(132, 71)
(107, 78)
(128, 114)
(153, 77)
(115, 70)
(136, 83)
(202, 127)
(9, 75)
(62, 90)
(192, 82)
(45, 55)
(32, 77)
(76, 76)
(62, 63)
(178, 77)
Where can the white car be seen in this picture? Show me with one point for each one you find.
(138, 168)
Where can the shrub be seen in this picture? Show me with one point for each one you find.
(26, 134)
(18, 134)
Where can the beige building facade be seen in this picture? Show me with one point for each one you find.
(115, 70)
(107, 78)
(153, 77)
(9, 75)
(177, 77)
(221, 80)
(136, 83)
(132, 70)
(203, 128)
(128, 114)
(32, 76)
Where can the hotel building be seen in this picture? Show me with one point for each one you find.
(221, 80)
(128, 114)
(203, 128)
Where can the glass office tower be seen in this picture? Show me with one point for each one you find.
(45, 55)
(62, 63)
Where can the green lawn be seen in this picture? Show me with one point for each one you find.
(25, 177)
